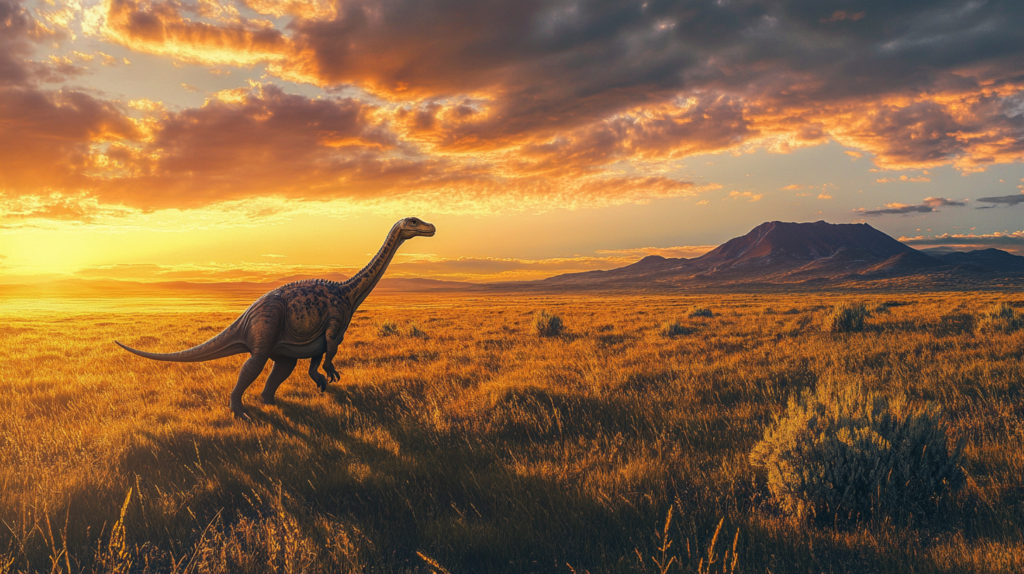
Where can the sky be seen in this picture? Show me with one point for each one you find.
(250, 140)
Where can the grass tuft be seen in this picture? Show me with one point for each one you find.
(387, 329)
(547, 324)
(674, 329)
(415, 332)
(701, 312)
(846, 318)
(1001, 318)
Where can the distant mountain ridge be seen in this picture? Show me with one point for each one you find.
(775, 255)
(784, 254)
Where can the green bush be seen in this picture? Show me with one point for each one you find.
(387, 329)
(840, 454)
(674, 328)
(698, 311)
(1000, 317)
(547, 324)
(846, 318)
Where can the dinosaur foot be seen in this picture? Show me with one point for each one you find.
(332, 374)
(239, 413)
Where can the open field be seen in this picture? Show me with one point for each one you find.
(477, 446)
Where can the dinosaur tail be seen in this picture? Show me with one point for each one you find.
(224, 344)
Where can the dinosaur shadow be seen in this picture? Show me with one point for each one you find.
(462, 495)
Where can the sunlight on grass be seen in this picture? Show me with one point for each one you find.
(484, 447)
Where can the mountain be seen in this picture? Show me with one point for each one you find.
(787, 255)
(987, 259)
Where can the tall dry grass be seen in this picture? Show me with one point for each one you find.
(485, 447)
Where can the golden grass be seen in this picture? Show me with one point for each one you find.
(474, 445)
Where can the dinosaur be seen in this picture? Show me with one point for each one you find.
(301, 320)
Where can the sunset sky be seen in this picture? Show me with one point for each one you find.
(220, 140)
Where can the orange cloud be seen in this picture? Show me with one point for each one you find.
(46, 138)
(682, 251)
(748, 195)
(161, 28)
(919, 179)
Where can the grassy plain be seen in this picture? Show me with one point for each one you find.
(473, 445)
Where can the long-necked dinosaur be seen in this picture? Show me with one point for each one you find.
(301, 320)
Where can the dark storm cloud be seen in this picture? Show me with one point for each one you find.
(585, 48)
(17, 28)
(1004, 199)
(552, 65)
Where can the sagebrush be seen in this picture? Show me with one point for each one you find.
(700, 311)
(674, 329)
(1000, 317)
(387, 329)
(846, 318)
(841, 454)
(547, 324)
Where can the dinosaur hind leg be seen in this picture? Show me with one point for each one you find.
(250, 370)
(320, 380)
(282, 368)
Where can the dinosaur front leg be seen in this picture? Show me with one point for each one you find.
(250, 370)
(320, 380)
(282, 368)
(334, 338)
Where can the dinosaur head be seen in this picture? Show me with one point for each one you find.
(415, 227)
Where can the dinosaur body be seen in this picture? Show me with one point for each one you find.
(301, 320)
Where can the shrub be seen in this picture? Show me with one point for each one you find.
(547, 324)
(880, 309)
(1000, 317)
(387, 329)
(846, 318)
(698, 311)
(415, 331)
(673, 329)
(842, 454)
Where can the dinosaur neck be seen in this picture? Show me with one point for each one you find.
(363, 282)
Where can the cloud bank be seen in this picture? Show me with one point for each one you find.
(545, 102)
(927, 206)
